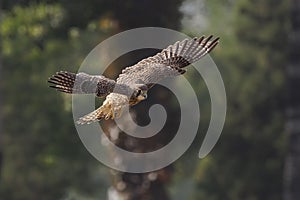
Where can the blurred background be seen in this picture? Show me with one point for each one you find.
(258, 154)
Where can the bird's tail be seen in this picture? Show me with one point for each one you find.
(106, 111)
(94, 116)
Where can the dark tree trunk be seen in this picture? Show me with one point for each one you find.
(292, 166)
(145, 186)
(137, 186)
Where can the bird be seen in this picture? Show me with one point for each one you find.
(133, 83)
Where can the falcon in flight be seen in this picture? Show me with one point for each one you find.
(133, 83)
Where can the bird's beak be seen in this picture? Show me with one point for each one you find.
(142, 97)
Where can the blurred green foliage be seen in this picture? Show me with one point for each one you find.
(248, 161)
(43, 157)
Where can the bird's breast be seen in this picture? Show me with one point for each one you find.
(134, 101)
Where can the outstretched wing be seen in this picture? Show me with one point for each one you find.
(169, 62)
(82, 83)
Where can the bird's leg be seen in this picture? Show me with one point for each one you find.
(107, 110)
(111, 111)
(113, 106)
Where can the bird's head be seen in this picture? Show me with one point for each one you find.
(140, 92)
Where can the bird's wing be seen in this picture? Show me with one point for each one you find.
(169, 62)
(82, 83)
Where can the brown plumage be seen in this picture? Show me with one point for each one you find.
(133, 83)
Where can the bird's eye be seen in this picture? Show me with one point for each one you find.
(138, 93)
